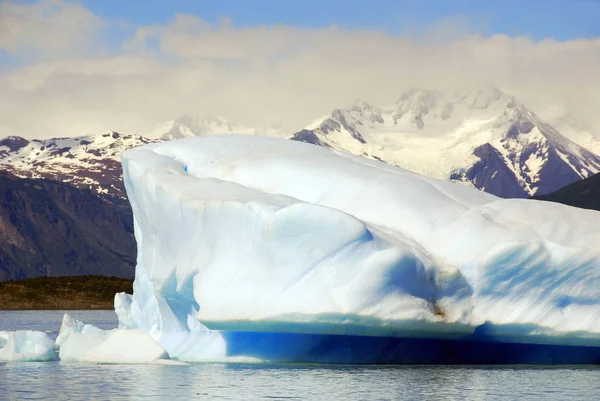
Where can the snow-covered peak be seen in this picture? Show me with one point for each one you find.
(362, 106)
(90, 162)
(418, 101)
(473, 98)
(12, 144)
(93, 161)
(189, 126)
(481, 137)
(430, 112)
(104, 145)
(421, 107)
(483, 98)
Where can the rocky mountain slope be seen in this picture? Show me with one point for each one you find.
(482, 138)
(49, 228)
(87, 162)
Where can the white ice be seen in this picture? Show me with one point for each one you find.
(26, 346)
(80, 342)
(265, 234)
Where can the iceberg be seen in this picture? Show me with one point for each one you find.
(127, 346)
(26, 346)
(255, 248)
(79, 342)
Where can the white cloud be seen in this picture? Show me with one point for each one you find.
(48, 27)
(270, 75)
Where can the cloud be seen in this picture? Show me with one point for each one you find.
(46, 28)
(265, 75)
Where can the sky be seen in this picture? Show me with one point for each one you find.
(538, 19)
(82, 67)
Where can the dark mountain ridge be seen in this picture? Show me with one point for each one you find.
(584, 194)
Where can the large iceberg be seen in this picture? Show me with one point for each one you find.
(253, 247)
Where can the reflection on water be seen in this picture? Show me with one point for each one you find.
(55, 380)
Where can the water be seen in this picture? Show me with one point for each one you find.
(56, 380)
(50, 321)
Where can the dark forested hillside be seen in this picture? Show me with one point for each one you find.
(65, 292)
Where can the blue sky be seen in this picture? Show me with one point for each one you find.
(538, 19)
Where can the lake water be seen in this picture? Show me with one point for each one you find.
(56, 380)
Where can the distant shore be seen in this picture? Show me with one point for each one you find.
(72, 292)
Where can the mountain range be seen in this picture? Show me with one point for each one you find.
(187, 126)
(483, 138)
(87, 162)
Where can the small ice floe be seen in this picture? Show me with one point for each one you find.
(26, 346)
(80, 342)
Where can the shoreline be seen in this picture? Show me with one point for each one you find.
(62, 293)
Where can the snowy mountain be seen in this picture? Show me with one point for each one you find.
(188, 126)
(483, 138)
(93, 162)
(63, 209)
(87, 162)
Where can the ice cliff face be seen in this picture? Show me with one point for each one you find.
(251, 234)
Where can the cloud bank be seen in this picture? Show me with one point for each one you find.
(65, 71)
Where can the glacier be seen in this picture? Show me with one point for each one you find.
(262, 249)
